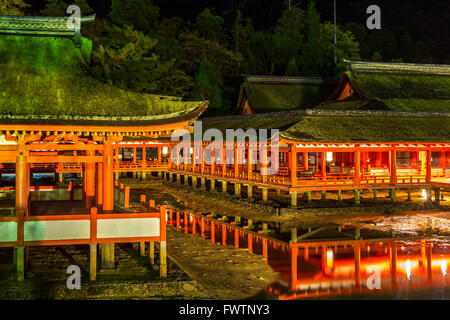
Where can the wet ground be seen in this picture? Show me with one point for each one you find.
(132, 278)
(420, 220)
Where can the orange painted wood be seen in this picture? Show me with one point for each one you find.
(128, 215)
(162, 223)
(130, 239)
(93, 219)
(54, 159)
(224, 235)
(108, 177)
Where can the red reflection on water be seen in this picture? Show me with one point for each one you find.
(358, 267)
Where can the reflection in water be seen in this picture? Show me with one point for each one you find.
(356, 267)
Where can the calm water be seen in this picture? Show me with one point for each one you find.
(400, 269)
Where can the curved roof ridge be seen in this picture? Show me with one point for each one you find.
(289, 79)
(388, 67)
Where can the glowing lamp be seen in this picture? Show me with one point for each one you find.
(424, 194)
(330, 258)
(329, 156)
(165, 150)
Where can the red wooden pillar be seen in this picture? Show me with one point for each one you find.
(159, 154)
(99, 191)
(213, 232)
(294, 164)
(90, 181)
(108, 177)
(83, 183)
(323, 165)
(428, 166)
(144, 156)
(378, 159)
(224, 235)
(116, 155)
(357, 161)
(393, 166)
(305, 160)
(21, 178)
(134, 154)
(170, 157)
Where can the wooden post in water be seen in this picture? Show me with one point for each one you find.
(294, 235)
(93, 262)
(357, 197)
(357, 233)
(265, 194)
(126, 201)
(151, 252)
(249, 191)
(236, 238)
(265, 229)
(250, 243)
(294, 199)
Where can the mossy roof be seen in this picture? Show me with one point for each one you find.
(343, 126)
(45, 79)
(397, 87)
(272, 94)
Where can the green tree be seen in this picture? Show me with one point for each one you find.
(13, 7)
(58, 8)
(292, 70)
(347, 48)
(141, 14)
(209, 26)
(127, 59)
(198, 49)
(311, 52)
(376, 57)
(207, 86)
